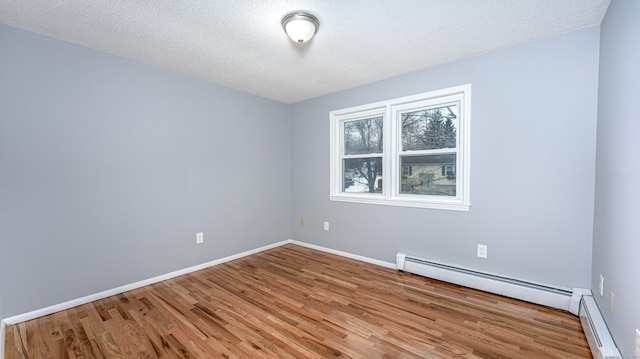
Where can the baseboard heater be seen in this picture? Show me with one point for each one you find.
(555, 297)
(600, 340)
(578, 301)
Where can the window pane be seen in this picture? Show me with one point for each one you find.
(430, 129)
(362, 175)
(363, 136)
(433, 175)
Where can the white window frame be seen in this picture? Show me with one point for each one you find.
(392, 149)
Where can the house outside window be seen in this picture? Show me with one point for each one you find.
(411, 151)
(449, 171)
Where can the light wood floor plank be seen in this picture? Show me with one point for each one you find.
(293, 302)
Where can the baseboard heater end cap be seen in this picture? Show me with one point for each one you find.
(576, 297)
(400, 259)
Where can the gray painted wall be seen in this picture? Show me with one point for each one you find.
(108, 168)
(616, 243)
(533, 136)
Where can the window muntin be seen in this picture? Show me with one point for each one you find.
(411, 151)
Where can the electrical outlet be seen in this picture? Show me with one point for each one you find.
(601, 286)
(301, 222)
(200, 238)
(326, 226)
(636, 352)
(482, 250)
(612, 303)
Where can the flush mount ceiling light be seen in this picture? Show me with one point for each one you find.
(300, 26)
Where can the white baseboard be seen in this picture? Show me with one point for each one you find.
(346, 254)
(107, 293)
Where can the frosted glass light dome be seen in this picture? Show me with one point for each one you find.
(300, 26)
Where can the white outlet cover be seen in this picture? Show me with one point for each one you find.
(636, 352)
(601, 286)
(199, 237)
(482, 250)
(612, 303)
(326, 226)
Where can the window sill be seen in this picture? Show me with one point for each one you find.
(401, 202)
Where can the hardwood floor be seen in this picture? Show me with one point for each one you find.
(294, 302)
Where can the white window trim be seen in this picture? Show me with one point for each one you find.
(390, 192)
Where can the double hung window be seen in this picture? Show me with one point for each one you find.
(411, 151)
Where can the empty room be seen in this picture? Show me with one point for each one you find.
(407, 179)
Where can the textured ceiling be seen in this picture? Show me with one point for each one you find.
(240, 43)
